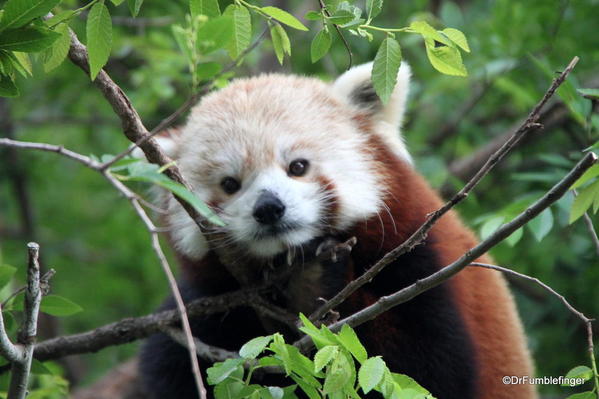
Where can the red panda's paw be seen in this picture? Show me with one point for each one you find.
(333, 250)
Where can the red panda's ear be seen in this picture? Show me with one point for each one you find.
(355, 87)
(167, 140)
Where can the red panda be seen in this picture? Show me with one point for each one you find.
(285, 160)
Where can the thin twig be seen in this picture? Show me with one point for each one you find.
(586, 320)
(592, 232)
(205, 351)
(387, 302)
(420, 235)
(345, 43)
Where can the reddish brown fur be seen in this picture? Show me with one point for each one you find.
(482, 295)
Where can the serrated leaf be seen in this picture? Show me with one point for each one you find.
(20, 12)
(541, 225)
(134, 6)
(445, 59)
(350, 341)
(589, 93)
(242, 29)
(407, 382)
(280, 42)
(579, 372)
(458, 38)
(341, 17)
(583, 201)
(385, 68)
(29, 40)
(8, 87)
(373, 8)
(99, 38)
(215, 34)
(220, 371)
(338, 375)
(254, 347)
(25, 63)
(55, 55)
(6, 274)
(283, 17)
(209, 8)
(320, 45)
(58, 306)
(371, 373)
(324, 357)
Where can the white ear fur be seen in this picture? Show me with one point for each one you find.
(168, 145)
(355, 86)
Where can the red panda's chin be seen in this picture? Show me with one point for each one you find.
(270, 246)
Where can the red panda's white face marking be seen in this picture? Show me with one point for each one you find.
(282, 160)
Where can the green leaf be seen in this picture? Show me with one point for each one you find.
(514, 237)
(215, 34)
(6, 274)
(146, 172)
(588, 175)
(592, 94)
(324, 357)
(280, 42)
(29, 40)
(320, 45)
(181, 36)
(583, 395)
(541, 225)
(406, 382)
(371, 373)
(208, 70)
(579, 372)
(220, 371)
(117, 2)
(458, 38)
(254, 347)
(490, 226)
(20, 12)
(209, 8)
(58, 306)
(430, 33)
(583, 201)
(341, 17)
(55, 55)
(307, 388)
(134, 6)
(313, 15)
(338, 375)
(99, 38)
(445, 59)
(8, 87)
(373, 8)
(242, 29)
(348, 338)
(24, 62)
(40, 368)
(283, 17)
(385, 68)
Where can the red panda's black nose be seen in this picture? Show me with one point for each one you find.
(268, 208)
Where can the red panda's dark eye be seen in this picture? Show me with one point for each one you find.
(298, 167)
(230, 185)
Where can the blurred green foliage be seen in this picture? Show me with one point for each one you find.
(101, 250)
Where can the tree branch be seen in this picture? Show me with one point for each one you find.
(21, 355)
(387, 302)
(587, 321)
(419, 235)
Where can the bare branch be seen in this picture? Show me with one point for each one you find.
(587, 321)
(387, 302)
(205, 351)
(21, 366)
(419, 236)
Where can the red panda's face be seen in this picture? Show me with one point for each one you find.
(282, 161)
